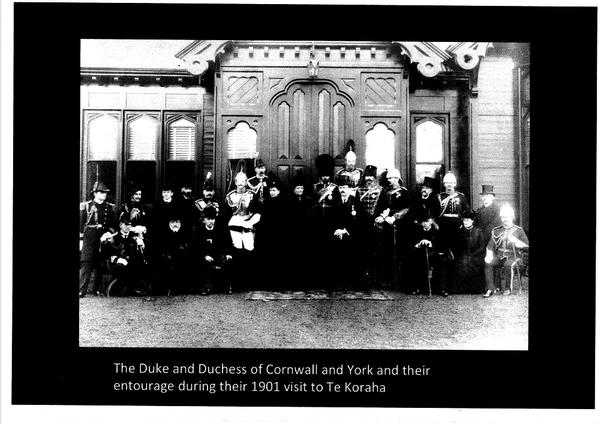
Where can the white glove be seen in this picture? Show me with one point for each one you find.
(489, 256)
(122, 261)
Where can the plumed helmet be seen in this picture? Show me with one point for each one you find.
(325, 165)
(449, 178)
(208, 184)
(350, 154)
(393, 173)
(506, 210)
(99, 186)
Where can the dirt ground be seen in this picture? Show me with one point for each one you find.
(231, 321)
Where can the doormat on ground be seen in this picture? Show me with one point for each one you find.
(318, 295)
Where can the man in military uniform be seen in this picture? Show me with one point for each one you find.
(258, 183)
(355, 174)
(127, 262)
(328, 200)
(136, 211)
(368, 194)
(96, 224)
(243, 212)
(426, 202)
(505, 252)
(390, 213)
(488, 216)
(451, 204)
(207, 199)
(212, 247)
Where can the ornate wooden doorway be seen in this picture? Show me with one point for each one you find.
(308, 119)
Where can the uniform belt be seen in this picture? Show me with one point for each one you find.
(94, 226)
(239, 229)
(450, 215)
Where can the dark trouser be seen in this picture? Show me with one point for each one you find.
(132, 278)
(420, 267)
(85, 275)
(467, 274)
(502, 264)
(215, 275)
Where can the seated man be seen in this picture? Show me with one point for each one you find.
(212, 248)
(174, 256)
(127, 263)
(505, 252)
(424, 255)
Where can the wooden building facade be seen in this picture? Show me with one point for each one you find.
(424, 108)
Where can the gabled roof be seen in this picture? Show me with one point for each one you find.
(431, 57)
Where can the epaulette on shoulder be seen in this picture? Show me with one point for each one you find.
(112, 205)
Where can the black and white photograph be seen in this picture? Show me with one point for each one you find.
(304, 194)
(312, 214)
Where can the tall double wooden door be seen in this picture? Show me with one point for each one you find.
(309, 119)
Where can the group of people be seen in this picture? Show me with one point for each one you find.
(353, 229)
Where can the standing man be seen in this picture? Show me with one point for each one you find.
(244, 215)
(488, 216)
(505, 252)
(186, 203)
(452, 204)
(207, 199)
(96, 224)
(368, 195)
(348, 235)
(328, 200)
(426, 202)
(355, 174)
(258, 183)
(165, 208)
(389, 215)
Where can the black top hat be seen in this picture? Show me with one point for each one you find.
(259, 163)
(429, 182)
(487, 189)
(468, 213)
(370, 171)
(210, 212)
(99, 186)
(344, 180)
(325, 165)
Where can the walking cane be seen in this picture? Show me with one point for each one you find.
(428, 271)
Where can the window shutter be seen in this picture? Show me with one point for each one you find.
(143, 136)
(182, 140)
(241, 142)
(103, 138)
